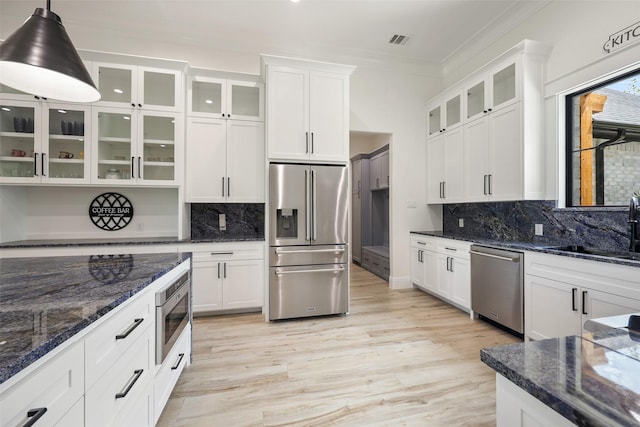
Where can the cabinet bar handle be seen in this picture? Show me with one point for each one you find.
(223, 186)
(490, 184)
(42, 160)
(311, 142)
(421, 243)
(485, 184)
(218, 270)
(336, 251)
(132, 172)
(136, 376)
(444, 189)
(225, 271)
(306, 136)
(584, 302)
(35, 164)
(180, 356)
(451, 249)
(504, 258)
(228, 187)
(130, 329)
(139, 168)
(221, 253)
(451, 264)
(574, 291)
(34, 415)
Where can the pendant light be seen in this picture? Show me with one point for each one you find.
(39, 58)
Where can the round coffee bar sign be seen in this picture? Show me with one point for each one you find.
(111, 211)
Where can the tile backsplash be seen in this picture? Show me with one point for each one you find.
(245, 221)
(597, 227)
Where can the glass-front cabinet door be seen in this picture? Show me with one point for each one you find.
(115, 159)
(66, 143)
(156, 157)
(476, 99)
(138, 87)
(453, 111)
(20, 141)
(225, 99)
(504, 85)
(434, 120)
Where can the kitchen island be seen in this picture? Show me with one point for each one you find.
(46, 301)
(590, 380)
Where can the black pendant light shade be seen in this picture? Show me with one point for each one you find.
(39, 58)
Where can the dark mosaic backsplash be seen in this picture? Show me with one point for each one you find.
(604, 228)
(245, 221)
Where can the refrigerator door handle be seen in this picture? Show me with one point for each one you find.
(315, 270)
(307, 199)
(307, 251)
(314, 194)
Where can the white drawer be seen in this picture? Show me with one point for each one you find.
(128, 380)
(423, 242)
(454, 248)
(57, 385)
(166, 378)
(227, 251)
(115, 336)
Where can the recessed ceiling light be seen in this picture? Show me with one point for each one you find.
(208, 101)
(120, 91)
(62, 112)
(127, 118)
(295, 1)
(162, 145)
(6, 109)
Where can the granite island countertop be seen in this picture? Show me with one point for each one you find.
(59, 243)
(534, 247)
(44, 301)
(593, 380)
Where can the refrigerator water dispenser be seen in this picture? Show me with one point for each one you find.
(287, 223)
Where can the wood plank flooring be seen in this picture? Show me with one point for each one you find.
(400, 358)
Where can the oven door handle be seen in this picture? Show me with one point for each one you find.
(136, 323)
(318, 270)
(503, 258)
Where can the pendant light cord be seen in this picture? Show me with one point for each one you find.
(49, 5)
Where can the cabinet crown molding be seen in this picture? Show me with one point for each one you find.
(282, 61)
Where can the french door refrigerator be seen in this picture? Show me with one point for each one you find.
(308, 233)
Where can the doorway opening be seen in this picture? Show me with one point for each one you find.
(370, 184)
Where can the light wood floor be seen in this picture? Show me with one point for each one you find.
(401, 357)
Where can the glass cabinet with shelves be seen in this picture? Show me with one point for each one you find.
(136, 147)
(228, 99)
(43, 142)
(445, 114)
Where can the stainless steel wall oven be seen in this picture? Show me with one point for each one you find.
(173, 312)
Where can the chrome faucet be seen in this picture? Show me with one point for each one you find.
(634, 220)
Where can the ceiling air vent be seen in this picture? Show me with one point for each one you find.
(399, 40)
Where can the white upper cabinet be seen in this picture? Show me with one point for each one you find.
(135, 86)
(225, 98)
(501, 146)
(44, 142)
(307, 110)
(445, 113)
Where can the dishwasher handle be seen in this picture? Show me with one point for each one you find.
(503, 258)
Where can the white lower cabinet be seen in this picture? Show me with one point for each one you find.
(122, 396)
(517, 408)
(442, 267)
(169, 372)
(562, 293)
(228, 277)
(48, 393)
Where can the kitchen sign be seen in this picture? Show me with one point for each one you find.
(623, 38)
(111, 211)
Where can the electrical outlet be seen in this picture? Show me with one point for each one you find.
(538, 230)
(461, 222)
(222, 222)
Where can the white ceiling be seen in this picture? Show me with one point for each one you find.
(356, 28)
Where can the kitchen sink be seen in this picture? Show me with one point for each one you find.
(594, 251)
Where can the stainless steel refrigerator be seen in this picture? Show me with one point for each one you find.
(308, 233)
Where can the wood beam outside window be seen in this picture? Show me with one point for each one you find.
(589, 104)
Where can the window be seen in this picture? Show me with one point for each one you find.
(603, 143)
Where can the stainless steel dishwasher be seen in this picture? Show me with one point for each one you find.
(497, 286)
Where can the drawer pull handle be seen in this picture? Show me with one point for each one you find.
(130, 329)
(180, 356)
(421, 243)
(136, 375)
(221, 253)
(34, 415)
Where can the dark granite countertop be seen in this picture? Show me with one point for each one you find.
(46, 300)
(20, 244)
(593, 380)
(534, 247)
